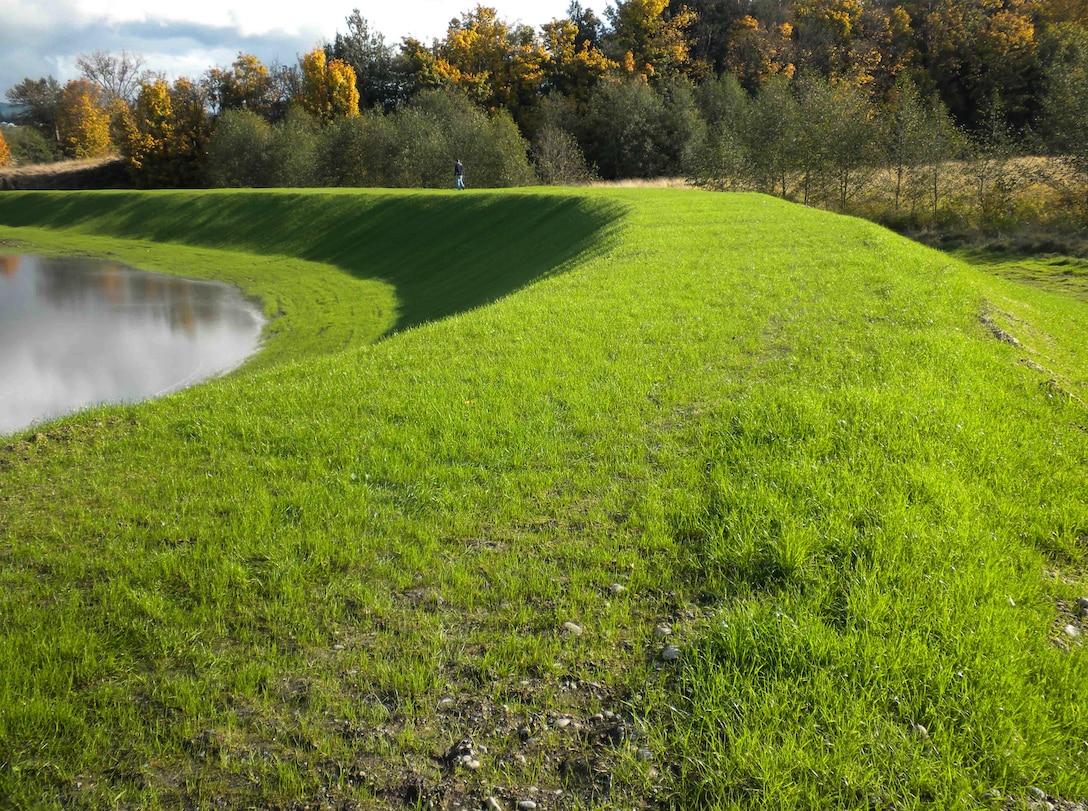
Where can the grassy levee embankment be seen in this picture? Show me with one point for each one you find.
(809, 446)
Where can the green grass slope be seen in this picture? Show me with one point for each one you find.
(846, 471)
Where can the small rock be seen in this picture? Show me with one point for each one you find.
(663, 630)
(920, 731)
(671, 653)
(493, 804)
(446, 702)
(563, 722)
(991, 795)
(337, 646)
(645, 755)
(1072, 630)
(1082, 602)
(597, 718)
(617, 588)
(1036, 793)
(527, 805)
(520, 758)
(572, 628)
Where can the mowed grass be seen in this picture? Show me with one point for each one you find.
(806, 444)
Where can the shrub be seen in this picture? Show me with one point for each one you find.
(238, 153)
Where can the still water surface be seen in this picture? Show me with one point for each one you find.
(75, 333)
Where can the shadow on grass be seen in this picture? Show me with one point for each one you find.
(443, 253)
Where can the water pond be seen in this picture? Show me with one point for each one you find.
(76, 333)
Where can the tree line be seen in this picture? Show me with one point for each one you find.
(803, 98)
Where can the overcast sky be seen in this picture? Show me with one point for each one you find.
(44, 37)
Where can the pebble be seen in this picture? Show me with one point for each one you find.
(572, 628)
(446, 702)
(1082, 602)
(920, 731)
(527, 805)
(1072, 630)
(338, 646)
(1036, 793)
(493, 804)
(671, 653)
(645, 755)
(663, 630)
(563, 722)
(617, 588)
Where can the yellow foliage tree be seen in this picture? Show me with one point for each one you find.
(246, 85)
(5, 151)
(656, 39)
(328, 87)
(571, 69)
(165, 134)
(83, 126)
(492, 62)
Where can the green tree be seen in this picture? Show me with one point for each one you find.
(39, 99)
(904, 119)
(373, 61)
(238, 153)
(772, 137)
(1065, 100)
(839, 141)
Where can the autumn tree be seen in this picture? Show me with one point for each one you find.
(974, 50)
(574, 64)
(328, 88)
(5, 151)
(492, 62)
(165, 135)
(82, 123)
(648, 38)
(755, 52)
(117, 78)
(246, 85)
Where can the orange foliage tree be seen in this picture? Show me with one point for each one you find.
(5, 151)
(328, 87)
(83, 126)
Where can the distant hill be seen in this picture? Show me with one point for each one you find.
(8, 111)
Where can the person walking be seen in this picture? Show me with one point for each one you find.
(459, 174)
